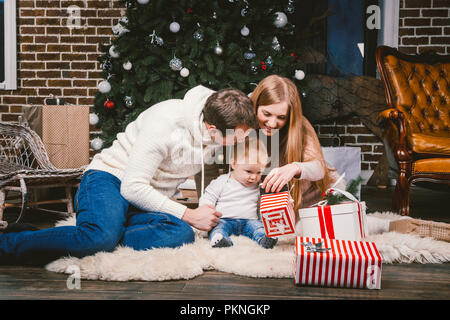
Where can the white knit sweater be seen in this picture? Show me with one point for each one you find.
(159, 151)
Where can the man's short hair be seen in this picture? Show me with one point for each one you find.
(229, 108)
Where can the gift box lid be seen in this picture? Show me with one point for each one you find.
(338, 209)
(269, 201)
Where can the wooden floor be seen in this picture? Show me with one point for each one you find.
(399, 281)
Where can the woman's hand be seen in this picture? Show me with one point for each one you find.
(278, 177)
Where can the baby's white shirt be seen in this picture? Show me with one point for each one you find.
(231, 198)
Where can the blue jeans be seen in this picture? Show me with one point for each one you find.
(254, 228)
(104, 220)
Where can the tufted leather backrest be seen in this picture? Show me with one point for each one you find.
(420, 89)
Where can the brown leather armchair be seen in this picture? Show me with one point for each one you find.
(416, 127)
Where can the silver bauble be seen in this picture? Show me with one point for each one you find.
(299, 74)
(245, 31)
(93, 119)
(198, 36)
(97, 143)
(218, 50)
(174, 27)
(281, 19)
(127, 65)
(112, 52)
(276, 44)
(249, 55)
(128, 101)
(184, 72)
(175, 64)
(104, 86)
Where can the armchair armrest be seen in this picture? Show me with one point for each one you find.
(398, 119)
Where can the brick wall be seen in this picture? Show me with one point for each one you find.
(55, 59)
(424, 25)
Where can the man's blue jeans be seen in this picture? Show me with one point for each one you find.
(104, 220)
(252, 228)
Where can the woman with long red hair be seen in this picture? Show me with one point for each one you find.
(279, 111)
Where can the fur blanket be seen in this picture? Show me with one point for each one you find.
(245, 258)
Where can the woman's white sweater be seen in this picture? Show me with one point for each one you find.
(159, 151)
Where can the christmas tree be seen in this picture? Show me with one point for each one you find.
(165, 47)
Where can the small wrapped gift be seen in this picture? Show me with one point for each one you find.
(337, 263)
(345, 221)
(277, 213)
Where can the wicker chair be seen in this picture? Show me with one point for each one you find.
(24, 165)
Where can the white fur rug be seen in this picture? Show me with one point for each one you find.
(245, 258)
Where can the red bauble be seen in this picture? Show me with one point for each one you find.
(109, 104)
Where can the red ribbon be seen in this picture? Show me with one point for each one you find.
(361, 227)
(326, 222)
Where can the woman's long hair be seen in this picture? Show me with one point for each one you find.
(275, 89)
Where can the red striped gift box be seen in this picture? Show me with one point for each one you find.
(337, 263)
(277, 214)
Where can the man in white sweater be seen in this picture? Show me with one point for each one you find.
(124, 195)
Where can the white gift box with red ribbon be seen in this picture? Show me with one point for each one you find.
(345, 221)
(337, 263)
(277, 214)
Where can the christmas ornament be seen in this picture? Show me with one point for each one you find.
(249, 55)
(175, 64)
(154, 39)
(245, 31)
(119, 28)
(127, 65)
(143, 1)
(290, 7)
(128, 101)
(218, 49)
(174, 27)
(109, 104)
(93, 119)
(281, 19)
(159, 41)
(276, 44)
(97, 143)
(299, 74)
(214, 15)
(104, 86)
(269, 61)
(198, 36)
(184, 72)
(107, 65)
(112, 52)
(254, 67)
(263, 65)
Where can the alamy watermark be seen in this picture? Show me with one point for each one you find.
(74, 279)
(186, 151)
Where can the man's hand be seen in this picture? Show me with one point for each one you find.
(203, 218)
